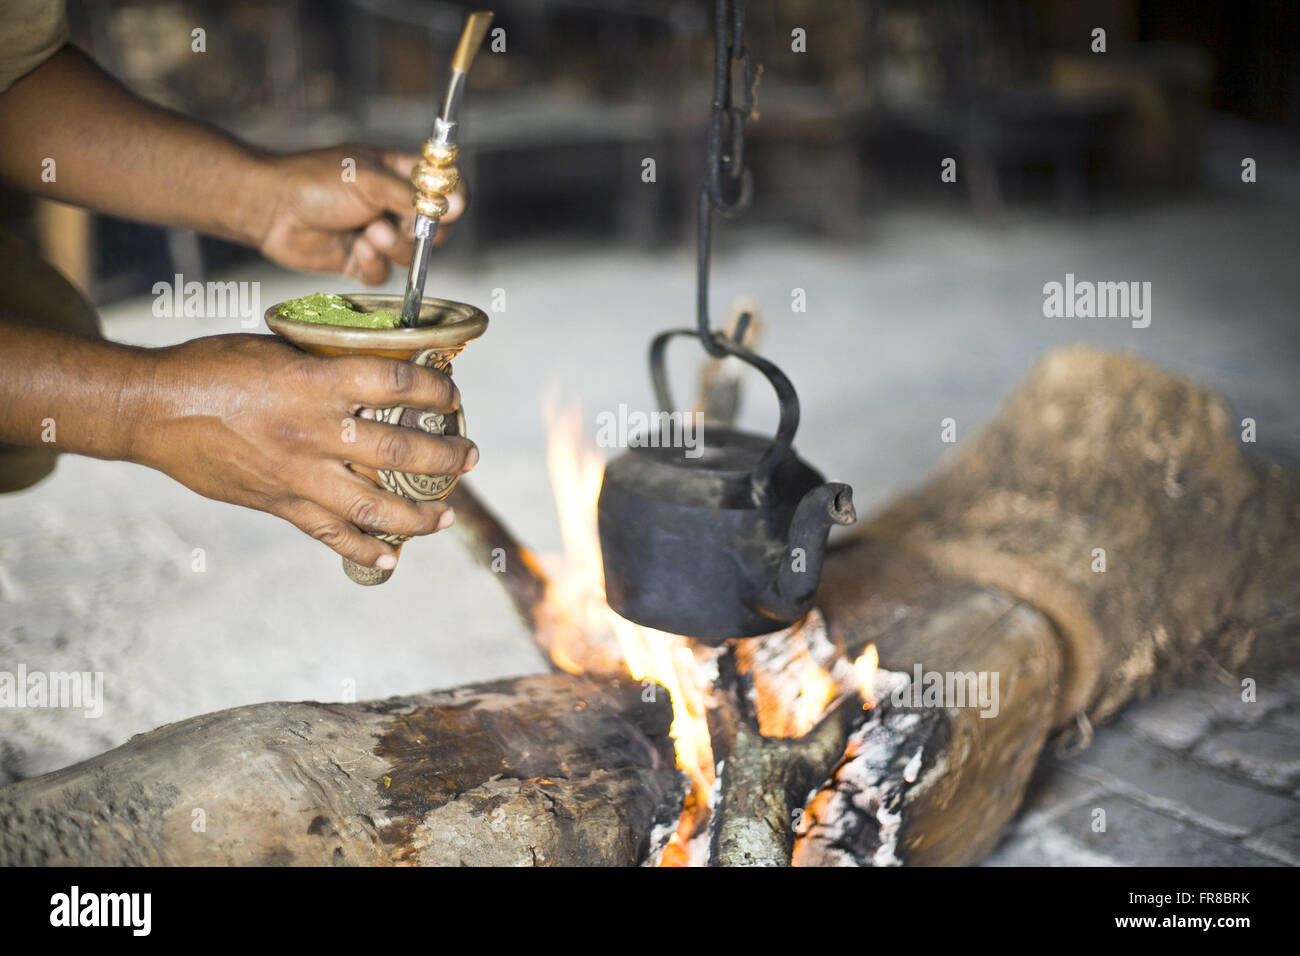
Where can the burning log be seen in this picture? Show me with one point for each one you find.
(538, 771)
(921, 783)
(765, 784)
(998, 567)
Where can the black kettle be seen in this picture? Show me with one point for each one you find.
(724, 539)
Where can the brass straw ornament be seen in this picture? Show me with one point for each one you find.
(437, 175)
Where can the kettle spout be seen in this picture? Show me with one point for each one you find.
(788, 596)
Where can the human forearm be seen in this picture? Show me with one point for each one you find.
(117, 154)
(73, 394)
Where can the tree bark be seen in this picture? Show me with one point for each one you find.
(1101, 457)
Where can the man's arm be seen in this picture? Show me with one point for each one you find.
(117, 154)
(241, 418)
(244, 419)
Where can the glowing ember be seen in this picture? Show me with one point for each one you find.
(792, 686)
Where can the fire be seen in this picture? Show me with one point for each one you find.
(816, 692)
(865, 669)
(793, 676)
(670, 661)
(581, 629)
(576, 608)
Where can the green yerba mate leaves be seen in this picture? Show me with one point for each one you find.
(326, 308)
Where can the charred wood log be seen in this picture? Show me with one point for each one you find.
(765, 784)
(933, 781)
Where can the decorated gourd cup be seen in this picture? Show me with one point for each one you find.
(445, 327)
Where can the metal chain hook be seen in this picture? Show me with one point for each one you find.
(728, 186)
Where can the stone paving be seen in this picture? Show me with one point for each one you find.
(929, 317)
(1190, 777)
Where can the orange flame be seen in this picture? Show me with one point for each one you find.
(793, 679)
(865, 670)
(816, 691)
(581, 629)
(791, 685)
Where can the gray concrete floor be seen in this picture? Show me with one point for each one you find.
(931, 316)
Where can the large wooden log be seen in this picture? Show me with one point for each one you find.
(1096, 456)
(994, 566)
(539, 771)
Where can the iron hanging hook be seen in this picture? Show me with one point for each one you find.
(728, 185)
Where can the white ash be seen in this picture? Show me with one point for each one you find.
(857, 818)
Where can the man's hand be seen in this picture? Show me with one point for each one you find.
(345, 209)
(254, 421)
(151, 165)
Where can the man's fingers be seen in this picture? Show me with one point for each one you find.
(384, 236)
(400, 164)
(390, 189)
(457, 200)
(395, 448)
(371, 267)
(339, 535)
(358, 502)
(373, 382)
(444, 233)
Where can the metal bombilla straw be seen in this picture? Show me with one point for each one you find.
(437, 175)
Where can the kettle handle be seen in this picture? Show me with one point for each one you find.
(761, 479)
